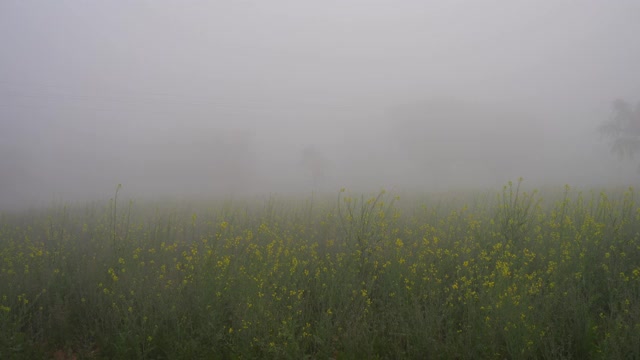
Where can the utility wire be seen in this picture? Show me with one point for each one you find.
(11, 91)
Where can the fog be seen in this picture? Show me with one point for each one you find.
(234, 98)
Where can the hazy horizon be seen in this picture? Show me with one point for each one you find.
(216, 98)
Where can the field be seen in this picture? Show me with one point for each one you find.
(510, 274)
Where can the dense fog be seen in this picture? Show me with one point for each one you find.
(234, 98)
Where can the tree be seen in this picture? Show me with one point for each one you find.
(623, 129)
(456, 141)
(315, 163)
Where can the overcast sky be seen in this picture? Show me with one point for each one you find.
(86, 87)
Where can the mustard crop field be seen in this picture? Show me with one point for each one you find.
(509, 274)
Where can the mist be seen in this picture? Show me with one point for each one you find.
(218, 98)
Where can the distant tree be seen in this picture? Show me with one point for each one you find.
(236, 167)
(623, 129)
(457, 140)
(315, 164)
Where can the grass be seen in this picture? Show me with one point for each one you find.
(510, 275)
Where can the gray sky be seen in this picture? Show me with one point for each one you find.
(172, 96)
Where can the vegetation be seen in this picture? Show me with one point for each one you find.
(517, 275)
(623, 129)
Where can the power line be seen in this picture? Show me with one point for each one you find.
(164, 99)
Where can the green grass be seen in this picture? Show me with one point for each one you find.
(515, 275)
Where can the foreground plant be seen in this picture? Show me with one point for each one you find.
(510, 276)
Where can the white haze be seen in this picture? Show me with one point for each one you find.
(221, 98)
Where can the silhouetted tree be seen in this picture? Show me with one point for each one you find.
(453, 139)
(623, 129)
(316, 165)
